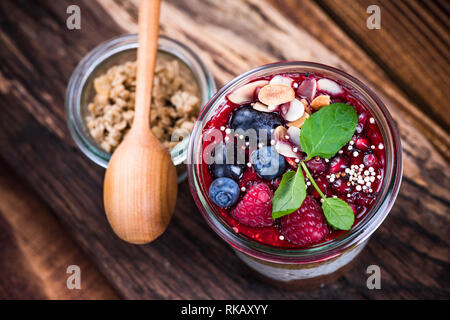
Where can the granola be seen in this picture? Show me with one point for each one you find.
(175, 103)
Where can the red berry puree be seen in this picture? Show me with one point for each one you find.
(242, 195)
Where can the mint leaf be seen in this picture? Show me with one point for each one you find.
(328, 130)
(338, 213)
(290, 194)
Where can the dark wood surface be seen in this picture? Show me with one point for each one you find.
(38, 54)
(35, 251)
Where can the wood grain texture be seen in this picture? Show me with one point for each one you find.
(140, 186)
(35, 252)
(351, 49)
(189, 260)
(416, 29)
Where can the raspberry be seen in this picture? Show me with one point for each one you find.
(255, 209)
(305, 226)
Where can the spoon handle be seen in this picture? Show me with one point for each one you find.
(146, 60)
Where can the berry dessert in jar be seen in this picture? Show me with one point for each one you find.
(295, 165)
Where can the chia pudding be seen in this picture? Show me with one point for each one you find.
(309, 175)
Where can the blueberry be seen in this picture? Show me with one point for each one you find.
(247, 118)
(222, 167)
(232, 171)
(268, 163)
(224, 192)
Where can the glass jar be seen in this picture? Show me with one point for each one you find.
(323, 260)
(80, 90)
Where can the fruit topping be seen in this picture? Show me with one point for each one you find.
(297, 183)
(316, 165)
(225, 166)
(246, 93)
(329, 86)
(320, 101)
(268, 163)
(370, 160)
(362, 118)
(338, 163)
(227, 170)
(323, 185)
(359, 127)
(247, 118)
(362, 144)
(276, 94)
(305, 226)
(363, 199)
(255, 208)
(341, 187)
(224, 192)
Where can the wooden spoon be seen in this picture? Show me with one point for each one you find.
(140, 187)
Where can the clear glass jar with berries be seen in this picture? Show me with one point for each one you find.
(295, 165)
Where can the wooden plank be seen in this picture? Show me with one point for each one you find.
(309, 16)
(35, 251)
(412, 46)
(231, 38)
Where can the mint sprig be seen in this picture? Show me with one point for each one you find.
(323, 135)
(337, 212)
(328, 130)
(290, 192)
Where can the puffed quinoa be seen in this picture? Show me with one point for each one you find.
(175, 103)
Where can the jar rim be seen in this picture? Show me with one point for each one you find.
(323, 251)
(99, 55)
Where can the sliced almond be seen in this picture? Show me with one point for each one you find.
(246, 93)
(320, 101)
(294, 135)
(285, 149)
(307, 107)
(295, 110)
(258, 106)
(272, 107)
(305, 103)
(282, 80)
(307, 89)
(280, 133)
(284, 108)
(329, 86)
(299, 123)
(276, 94)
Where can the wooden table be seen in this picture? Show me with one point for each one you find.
(406, 63)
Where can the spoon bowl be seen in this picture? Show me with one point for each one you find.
(140, 186)
(140, 189)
